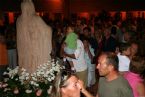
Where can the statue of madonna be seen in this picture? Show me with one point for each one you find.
(34, 37)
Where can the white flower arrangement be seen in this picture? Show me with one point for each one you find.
(39, 80)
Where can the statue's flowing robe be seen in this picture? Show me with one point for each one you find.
(33, 38)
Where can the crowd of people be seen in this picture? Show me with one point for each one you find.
(103, 50)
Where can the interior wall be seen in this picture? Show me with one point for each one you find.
(76, 5)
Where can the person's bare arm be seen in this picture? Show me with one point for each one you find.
(141, 89)
(86, 93)
(63, 54)
(70, 55)
(62, 50)
(83, 89)
(89, 52)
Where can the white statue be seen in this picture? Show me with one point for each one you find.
(33, 38)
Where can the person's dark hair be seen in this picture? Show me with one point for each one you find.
(60, 82)
(112, 59)
(123, 46)
(137, 65)
(72, 26)
(83, 38)
(87, 28)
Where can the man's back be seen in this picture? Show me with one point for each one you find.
(116, 88)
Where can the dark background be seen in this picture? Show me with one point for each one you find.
(77, 5)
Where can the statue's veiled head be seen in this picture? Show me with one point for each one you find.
(27, 7)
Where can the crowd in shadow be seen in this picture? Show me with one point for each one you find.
(98, 34)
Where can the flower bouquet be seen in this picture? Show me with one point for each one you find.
(19, 83)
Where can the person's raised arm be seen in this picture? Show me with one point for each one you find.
(77, 52)
(63, 54)
(88, 50)
(70, 55)
(62, 50)
(83, 90)
(97, 95)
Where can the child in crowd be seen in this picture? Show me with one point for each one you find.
(71, 44)
(137, 66)
(123, 56)
(89, 54)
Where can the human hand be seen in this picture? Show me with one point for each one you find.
(83, 90)
(81, 85)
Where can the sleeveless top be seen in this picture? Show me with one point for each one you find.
(133, 80)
